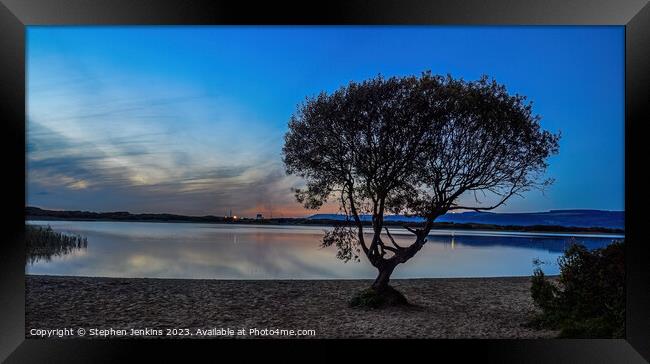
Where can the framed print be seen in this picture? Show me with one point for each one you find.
(441, 177)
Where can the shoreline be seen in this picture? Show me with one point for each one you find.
(479, 227)
(368, 280)
(441, 307)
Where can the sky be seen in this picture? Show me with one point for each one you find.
(190, 120)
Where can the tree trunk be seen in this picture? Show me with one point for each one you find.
(383, 277)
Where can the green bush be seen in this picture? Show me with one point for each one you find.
(588, 298)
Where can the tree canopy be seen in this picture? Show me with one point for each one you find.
(413, 145)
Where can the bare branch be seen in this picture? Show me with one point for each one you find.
(391, 238)
(409, 229)
(390, 248)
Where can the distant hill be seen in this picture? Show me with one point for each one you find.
(35, 212)
(564, 218)
(588, 221)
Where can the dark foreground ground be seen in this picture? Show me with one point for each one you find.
(442, 308)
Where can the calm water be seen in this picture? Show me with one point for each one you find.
(179, 250)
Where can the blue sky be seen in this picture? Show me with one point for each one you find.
(191, 119)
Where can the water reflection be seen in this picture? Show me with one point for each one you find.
(162, 250)
(43, 243)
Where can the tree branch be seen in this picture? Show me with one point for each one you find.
(357, 220)
(390, 248)
(391, 238)
(513, 191)
(409, 229)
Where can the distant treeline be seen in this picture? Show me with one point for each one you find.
(35, 213)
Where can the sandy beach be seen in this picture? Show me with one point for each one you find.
(442, 308)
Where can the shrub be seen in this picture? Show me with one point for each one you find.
(370, 298)
(588, 298)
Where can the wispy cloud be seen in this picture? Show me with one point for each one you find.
(190, 120)
(140, 174)
(107, 143)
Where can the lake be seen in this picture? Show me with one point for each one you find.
(231, 251)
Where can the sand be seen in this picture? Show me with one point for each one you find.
(442, 308)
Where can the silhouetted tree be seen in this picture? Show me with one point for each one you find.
(414, 146)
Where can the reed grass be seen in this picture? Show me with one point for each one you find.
(43, 243)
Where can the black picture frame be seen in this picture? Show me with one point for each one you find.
(16, 14)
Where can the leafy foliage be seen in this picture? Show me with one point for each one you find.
(588, 300)
(347, 245)
(414, 146)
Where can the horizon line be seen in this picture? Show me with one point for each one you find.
(318, 213)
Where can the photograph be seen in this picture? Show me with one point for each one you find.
(325, 182)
